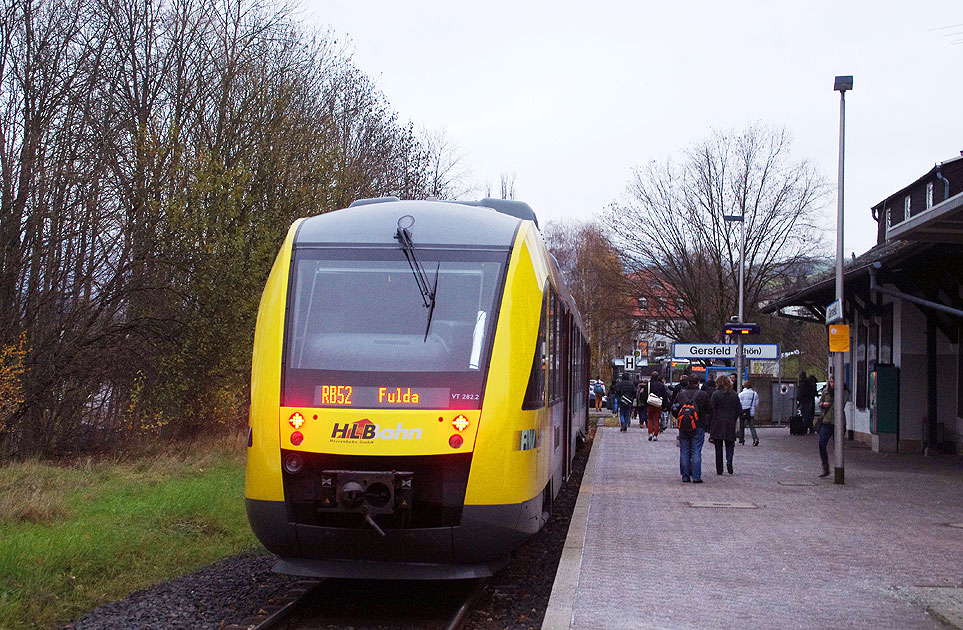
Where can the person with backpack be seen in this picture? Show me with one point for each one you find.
(678, 389)
(692, 411)
(725, 412)
(599, 390)
(638, 408)
(638, 405)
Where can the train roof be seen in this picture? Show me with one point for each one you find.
(436, 223)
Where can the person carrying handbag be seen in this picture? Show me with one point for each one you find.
(656, 396)
(750, 401)
(825, 425)
(624, 393)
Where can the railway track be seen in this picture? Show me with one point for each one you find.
(370, 605)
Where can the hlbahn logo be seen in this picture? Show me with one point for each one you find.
(366, 430)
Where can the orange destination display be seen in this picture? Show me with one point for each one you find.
(384, 396)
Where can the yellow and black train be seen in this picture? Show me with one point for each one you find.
(419, 389)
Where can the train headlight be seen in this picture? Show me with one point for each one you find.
(456, 441)
(296, 438)
(296, 420)
(460, 422)
(293, 464)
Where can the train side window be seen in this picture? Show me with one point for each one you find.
(535, 394)
(552, 346)
(559, 346)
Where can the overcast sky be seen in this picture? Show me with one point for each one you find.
(570, 96)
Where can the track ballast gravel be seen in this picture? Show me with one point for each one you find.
(235, 588)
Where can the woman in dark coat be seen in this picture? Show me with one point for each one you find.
(726, 410)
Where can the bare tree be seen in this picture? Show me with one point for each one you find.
(594, 274)
(448, 174)
(152, 155)
(671, 223)
(507, 188)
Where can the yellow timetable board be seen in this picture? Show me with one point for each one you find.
(839, 338)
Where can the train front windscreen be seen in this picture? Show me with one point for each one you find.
(362, 330)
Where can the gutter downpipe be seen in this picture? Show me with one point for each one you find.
(946, 182)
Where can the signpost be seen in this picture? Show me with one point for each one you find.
(751, 351)
(724, 350)
(834, 312)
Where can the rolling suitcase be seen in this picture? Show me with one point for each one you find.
(796, 425)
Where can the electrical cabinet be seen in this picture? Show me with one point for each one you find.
(884, 399)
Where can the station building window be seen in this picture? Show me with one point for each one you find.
(886, 334)
(861, 379)
(959, 374)
(874, 346)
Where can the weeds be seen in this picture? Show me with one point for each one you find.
(78, 534)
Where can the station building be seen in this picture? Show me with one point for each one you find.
(903, 301)
(658, 314)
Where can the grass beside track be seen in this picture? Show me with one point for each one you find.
(79, 535)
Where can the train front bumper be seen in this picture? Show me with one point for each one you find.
(478, 546)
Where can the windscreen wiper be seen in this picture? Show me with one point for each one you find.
(421, 278)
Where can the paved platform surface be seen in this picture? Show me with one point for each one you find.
(878, 552)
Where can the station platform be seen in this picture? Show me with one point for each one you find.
(771, 546)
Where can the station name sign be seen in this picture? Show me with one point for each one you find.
(724, 350)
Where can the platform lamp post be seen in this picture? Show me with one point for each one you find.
(741, 218)
(842, 84)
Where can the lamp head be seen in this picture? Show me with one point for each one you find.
(843, 83)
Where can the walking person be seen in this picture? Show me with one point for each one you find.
(693, 416)
(813, 392)
(827, 421)
(613, 399)
(679, 387)
(599, 391)
(624, 394)
(654, 411)
(807, 401)
(638, 401)
(726, 409)
(750, 401)
(709, 386)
